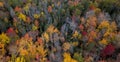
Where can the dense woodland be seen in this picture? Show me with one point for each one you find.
(59, 30)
